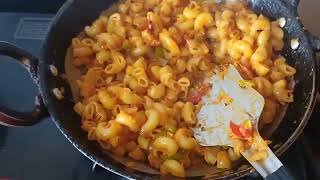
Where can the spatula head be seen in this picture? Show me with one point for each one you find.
(228, 100)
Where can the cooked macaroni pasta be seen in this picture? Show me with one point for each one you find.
(144, 64)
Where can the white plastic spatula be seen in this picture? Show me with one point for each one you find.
(241, 104)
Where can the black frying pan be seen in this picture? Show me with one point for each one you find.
(76, 14)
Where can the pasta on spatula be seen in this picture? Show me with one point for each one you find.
(229, 117)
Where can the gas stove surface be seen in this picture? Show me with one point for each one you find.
(41, 151)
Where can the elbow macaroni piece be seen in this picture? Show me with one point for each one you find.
(263, 86)
(87, 42)
(118, 63)
(165, 8)
(173, 167)
(156, 22)
(243, 24)
(94, 112)
(139, 72)
(184, 24)
(106, 100)
(127, 120)
(184, 82)
(154, 161)
(203, 20)
(156, 71)
(210, 155)
(257, 59)
(76, 42)
(239, 48)
(166, 145)
(88, 125)
(165, 75)
(125, 95)
(260, 24)
(276, 36)
(78, 108)
(233, 155)
(196, 48)
(153, 120)
(90, 81)
(157, 91)
(137, 154)
(168, 43)
(164, 111)
(269, 112)
(263, 38)
(171, 95)
(82, 51)
(188, 114)
(223, 160)
(107, 130)
(96, 27)
(192, 64)
(139, 116)
(128, 97)
(143, 142)
(192, 11)
(276, 75)
(103, 56)
(181, 66)
(280, 91)
(283, 67)
(184, 138)
(109, 40)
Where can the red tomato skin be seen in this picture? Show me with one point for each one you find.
(245, 133)
(194, 97)
(235, 129)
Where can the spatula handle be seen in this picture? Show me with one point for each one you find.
(271, 168)
(281, 174)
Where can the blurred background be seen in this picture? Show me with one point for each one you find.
(42, 152)
(35, 6)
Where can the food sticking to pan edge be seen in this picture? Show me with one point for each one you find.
(143, 70)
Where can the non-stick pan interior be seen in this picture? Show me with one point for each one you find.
(75, 15)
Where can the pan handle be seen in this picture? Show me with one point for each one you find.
(281, 174)
(9, 117)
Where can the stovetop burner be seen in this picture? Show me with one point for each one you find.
(41, 151)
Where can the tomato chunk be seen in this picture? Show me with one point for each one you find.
(245, 133)
(194, 97)
(241, 131)
(245, 72)
(235, 129)
(203, 89)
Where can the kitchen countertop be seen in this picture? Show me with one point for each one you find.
(309, 11)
